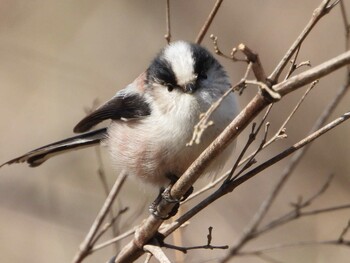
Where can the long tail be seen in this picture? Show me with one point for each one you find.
(38, 156)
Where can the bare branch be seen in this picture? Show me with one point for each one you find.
(109, 224)
(218, 51)
(345, 18)
(226, 188)
(86, 244)
(257, 104)
(251, 160)
(157, 252)
(250, 231)
(318, 13)
(207, 23)
(297, 210)
(343, 233)
(113, 240)
(346, 29)
(273, 95)
(167, 36)
(281, 133)
(207, 246)
(204, 121)
(310, 75)
(252, 57)
(335, 242)
(148, 257)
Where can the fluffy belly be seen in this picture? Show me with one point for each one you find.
(150, 155)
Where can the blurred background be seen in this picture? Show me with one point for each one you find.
(57, 57)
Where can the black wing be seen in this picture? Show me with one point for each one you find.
(121, 106)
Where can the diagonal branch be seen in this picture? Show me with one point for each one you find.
(318, 13)
(157, 252)
(226, 188)
(150, 226)
(207, 23)
(87, 243)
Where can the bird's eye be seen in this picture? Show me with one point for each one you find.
(170, 88)
(202, 75)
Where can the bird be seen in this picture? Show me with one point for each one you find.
(152, 119)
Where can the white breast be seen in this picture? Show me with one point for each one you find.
(155, 146)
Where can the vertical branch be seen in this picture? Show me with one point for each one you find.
(347, 29)
(167, 36)
(207, 23)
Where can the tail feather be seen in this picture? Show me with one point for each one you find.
(38, 156)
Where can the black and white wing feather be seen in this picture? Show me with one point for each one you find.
(122, 106)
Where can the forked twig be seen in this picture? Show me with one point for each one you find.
(206, 246)
(318, 13)
(218, 51)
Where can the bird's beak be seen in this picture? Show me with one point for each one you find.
(189, 87)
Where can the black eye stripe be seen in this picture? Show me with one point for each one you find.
(160, 71)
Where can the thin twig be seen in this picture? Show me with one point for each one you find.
(312, 74)
(293, 64)
(254, 58)
(294, 245)
(318, 13)
(228, 174)
(208, 22)
(157, 253)
(108, 225)
(206, 246)
(346, 29)
(148, 257)
(251, 161)
(273, 95)
(113, 240)
(296, 211)
(204, 121)
(281, 133)
(167, 36)
(86, 244)
(344, 232)
(267, 258)
(231, 186)
(218, 51)
(295, 214)
(265, 206)
(344, 16)
(102, 176)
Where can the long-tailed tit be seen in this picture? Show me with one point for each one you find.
(152, 119)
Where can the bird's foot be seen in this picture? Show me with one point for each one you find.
(165, 194)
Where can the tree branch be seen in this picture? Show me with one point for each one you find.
(167, 36)
(207, 23)
(318, 13)
(87, 243)
(150, 226)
